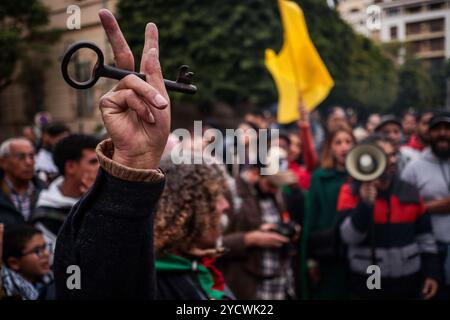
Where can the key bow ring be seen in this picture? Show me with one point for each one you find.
(182, 84)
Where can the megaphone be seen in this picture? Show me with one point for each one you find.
(366, 162)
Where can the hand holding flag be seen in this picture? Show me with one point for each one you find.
(298, 70)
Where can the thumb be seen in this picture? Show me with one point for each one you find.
(426, 287)
(268, 226)
(279, 237)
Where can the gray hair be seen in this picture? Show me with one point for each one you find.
(5, 147)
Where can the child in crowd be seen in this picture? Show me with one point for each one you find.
(25, 271)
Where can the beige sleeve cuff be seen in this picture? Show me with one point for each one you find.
(105, 151)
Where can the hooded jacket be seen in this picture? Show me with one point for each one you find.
(53, 207)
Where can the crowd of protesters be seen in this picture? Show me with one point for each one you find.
(138, 225)
(229, 219)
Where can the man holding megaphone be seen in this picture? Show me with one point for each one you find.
(384, 224)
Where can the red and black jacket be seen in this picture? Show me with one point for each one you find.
(396, 227)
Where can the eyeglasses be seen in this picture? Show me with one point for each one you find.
(39, 251)
(23, 156)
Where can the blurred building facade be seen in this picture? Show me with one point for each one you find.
(423, 26)
(77, 108)
(355, 13)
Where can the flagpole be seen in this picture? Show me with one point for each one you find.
(297, 81)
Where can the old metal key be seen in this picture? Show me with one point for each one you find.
(182, 84)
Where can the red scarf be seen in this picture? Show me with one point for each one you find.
(415, 143)
(219, 282)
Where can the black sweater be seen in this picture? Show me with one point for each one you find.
(109, 235)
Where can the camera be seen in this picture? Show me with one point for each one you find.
(286, 229)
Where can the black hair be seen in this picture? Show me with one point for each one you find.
(410, 112)
(55, 129)
(376, 138)
(332, 110)
(284, 135)
(257, 113)
(211, 123)
(71, 148)
(16, 238)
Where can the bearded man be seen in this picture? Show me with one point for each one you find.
(430, 173)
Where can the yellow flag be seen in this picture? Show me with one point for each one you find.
(298, 70)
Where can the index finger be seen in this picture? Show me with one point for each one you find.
(122, 53)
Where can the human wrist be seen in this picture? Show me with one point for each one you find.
(105, 154)
(145, 161)
(303, 124)
(249, 239)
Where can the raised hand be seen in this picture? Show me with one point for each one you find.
(136, 113)
(304, 114)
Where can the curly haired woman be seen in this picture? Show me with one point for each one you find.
(187, 229)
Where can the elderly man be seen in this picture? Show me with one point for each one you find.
(19, 187)
(109, 233)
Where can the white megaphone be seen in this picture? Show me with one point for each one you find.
(366, 162)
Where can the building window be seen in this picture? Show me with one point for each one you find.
(437, 44)
(85, 100)
(393, 31)
(414, 9)
(436, 25)
(436, 6)
(393, 12)
(413, 28)
(415, 47)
